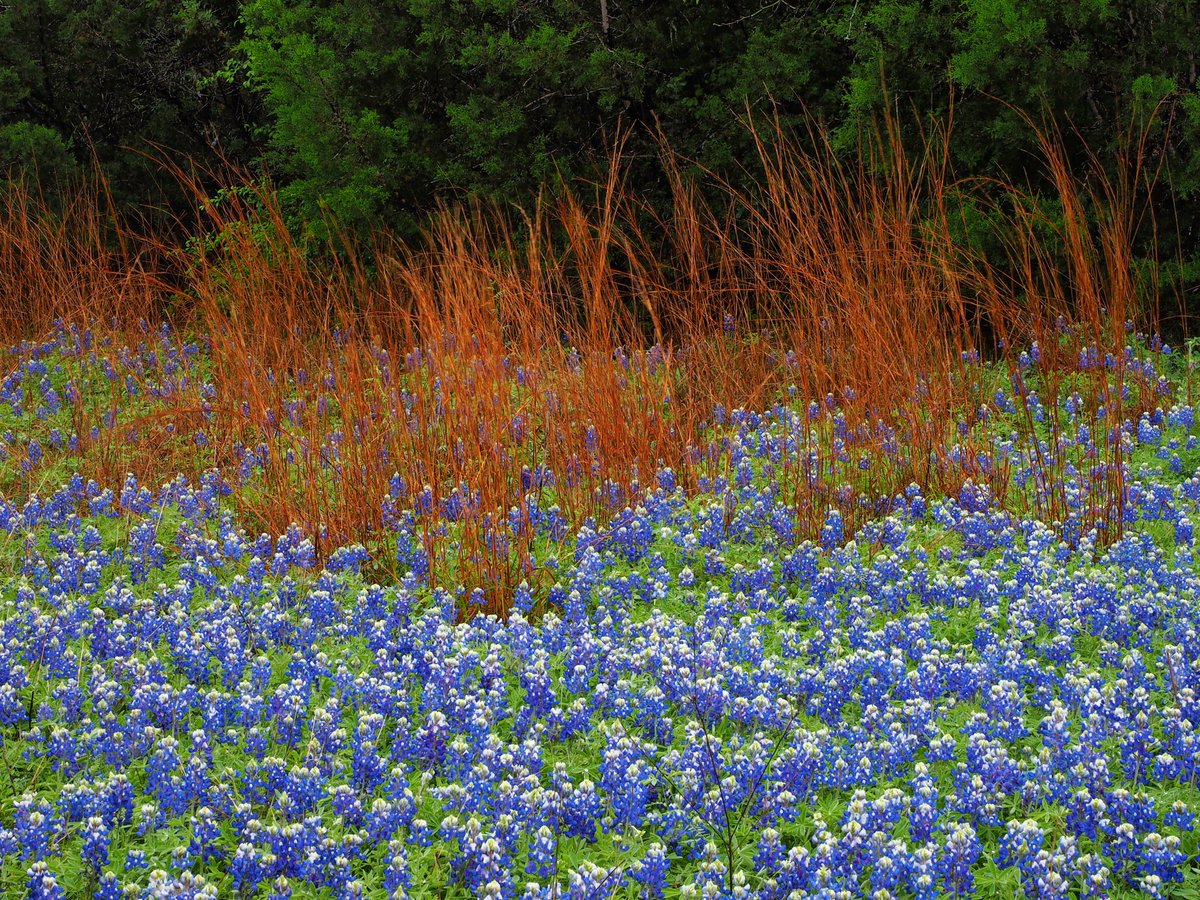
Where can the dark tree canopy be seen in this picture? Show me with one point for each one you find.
(118, 79)
(370, 111)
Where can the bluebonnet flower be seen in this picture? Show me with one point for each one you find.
(1161, 859)
(1180, 816)
(95, 843)
(109, 888)
(41, 883)
(35, 826)
(397, 879)
(543, 853)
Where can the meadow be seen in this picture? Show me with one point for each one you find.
(778, 549)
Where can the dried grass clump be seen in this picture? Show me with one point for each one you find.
(513, 362)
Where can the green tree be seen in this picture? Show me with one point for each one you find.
(115, 77)
(378, 108)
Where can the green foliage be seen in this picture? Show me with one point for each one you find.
(376, 109)
(118, 78)
(35, 149)
(1103, 71)
(368, 113)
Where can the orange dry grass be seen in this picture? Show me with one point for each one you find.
(592, 340)
(71, 263)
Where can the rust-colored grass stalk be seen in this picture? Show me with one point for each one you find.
(509, 363)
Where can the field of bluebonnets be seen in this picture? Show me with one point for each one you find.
(484, 599)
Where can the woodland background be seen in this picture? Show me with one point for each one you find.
(369, 114)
